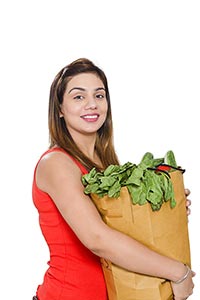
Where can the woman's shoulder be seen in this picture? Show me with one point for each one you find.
(57, 153)
(55, 167)
(56, 158)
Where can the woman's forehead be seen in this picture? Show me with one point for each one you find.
(85, 80)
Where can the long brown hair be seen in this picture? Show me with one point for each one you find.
(58, 132)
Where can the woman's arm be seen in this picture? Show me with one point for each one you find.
(58, 176)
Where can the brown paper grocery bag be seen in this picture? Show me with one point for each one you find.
(165, 231)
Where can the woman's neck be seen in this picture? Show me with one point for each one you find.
(86, 144)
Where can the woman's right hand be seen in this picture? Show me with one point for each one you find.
(183, 289)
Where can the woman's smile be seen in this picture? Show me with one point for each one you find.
(90, 117)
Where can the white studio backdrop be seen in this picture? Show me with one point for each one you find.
(150, 53)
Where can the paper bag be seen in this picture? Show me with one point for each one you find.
(165, 231)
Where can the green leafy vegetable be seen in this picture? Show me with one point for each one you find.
(169, 159)
(147, 182)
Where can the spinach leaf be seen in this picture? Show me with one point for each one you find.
(146, 182)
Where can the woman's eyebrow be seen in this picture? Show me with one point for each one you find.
(100, 88)
(76, 88)
(83, 90)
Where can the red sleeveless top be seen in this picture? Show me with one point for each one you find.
(74, 272)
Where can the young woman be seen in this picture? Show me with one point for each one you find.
(81, 137)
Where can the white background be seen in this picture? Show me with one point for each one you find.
(150, 51)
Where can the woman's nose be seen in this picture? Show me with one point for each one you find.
(91, 103)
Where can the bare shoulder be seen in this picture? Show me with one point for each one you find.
(55, 167)
(56, 159)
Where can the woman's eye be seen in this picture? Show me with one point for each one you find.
(78, 97)
(100, 96)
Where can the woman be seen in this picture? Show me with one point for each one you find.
(80, 128)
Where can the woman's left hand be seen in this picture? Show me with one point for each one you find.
(188, 201)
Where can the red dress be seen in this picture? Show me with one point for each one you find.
(74, 272)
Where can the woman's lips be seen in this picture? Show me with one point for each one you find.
(90, 118)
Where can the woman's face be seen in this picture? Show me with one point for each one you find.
(84, 106)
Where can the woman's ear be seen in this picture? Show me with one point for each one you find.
(60, 113)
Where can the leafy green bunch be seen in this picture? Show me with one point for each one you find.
(147, 182)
